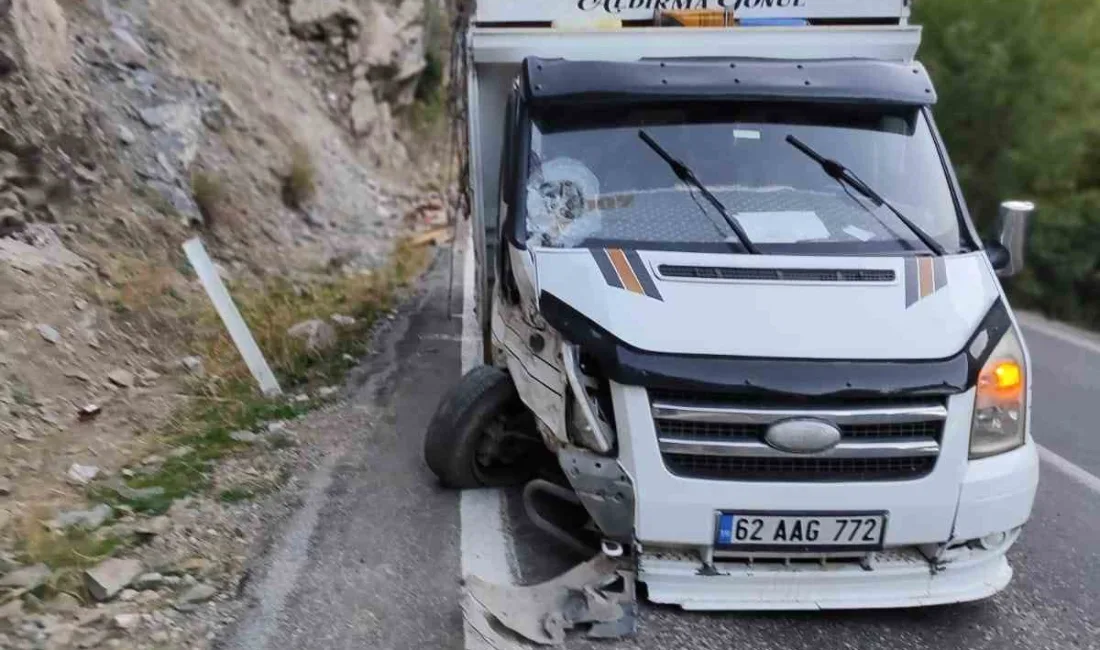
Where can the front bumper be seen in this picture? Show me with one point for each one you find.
(892, 578)
(959, 500)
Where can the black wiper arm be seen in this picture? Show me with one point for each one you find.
(844, 175)
(684, 173)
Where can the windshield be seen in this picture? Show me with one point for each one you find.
(592, 181)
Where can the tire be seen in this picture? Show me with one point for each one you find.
(455, 443)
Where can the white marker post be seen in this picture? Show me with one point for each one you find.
(231, 316)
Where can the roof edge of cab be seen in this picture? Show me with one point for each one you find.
(551, 81)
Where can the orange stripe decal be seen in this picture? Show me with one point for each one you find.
(626, 274)
(927, 281)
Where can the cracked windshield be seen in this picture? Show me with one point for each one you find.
(592, 181)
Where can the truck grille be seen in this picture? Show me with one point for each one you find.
(719, 440)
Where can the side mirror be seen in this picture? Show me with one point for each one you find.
(1007, 254)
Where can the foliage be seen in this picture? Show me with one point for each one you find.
(1020, 110)
(300, 182)
(210, 196)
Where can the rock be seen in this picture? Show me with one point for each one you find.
(5, 486)
(92, 639)
(5, 519)
(128, 595)
(172, 117)
(309, 18)
(42, 32)
(197, 594)
(128, 51)
(83, 474)
(180, 452)
(9, 202)
(194, 566)
(29, 577)
(148, 377)
(89, 519)
(244, 436)
(121, 378)
(381, 38)
(135, 494)
(317, 334)
(73, 373)
(153, 527)
(11, 611)
(125, 135)
(110, 577)
(364, 114)
(191, 365)
(278, 426)
(8, 64)
(63, 604)
(34, 604)
(327, 391)
(148, 596)
(48, 333)
(148, 581)
(342, 320)
(33, 197)
(88, 412)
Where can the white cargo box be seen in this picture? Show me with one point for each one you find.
(574, 11)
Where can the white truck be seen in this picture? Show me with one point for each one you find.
(732, 297)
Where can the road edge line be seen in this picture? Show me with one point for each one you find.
(1070, 469)
(483, 545)
(1049, 328)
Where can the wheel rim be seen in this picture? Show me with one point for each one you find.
(504, 452)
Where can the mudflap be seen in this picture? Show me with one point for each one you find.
(597, 595)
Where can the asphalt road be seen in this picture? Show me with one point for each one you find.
(373, 559)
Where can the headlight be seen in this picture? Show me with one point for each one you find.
(1000, 406)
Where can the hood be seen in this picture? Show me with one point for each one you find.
(799, 307)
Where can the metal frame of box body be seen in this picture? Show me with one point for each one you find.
(580, 11)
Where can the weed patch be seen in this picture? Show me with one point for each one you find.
(210, 196)
(300, 182)
(225, 401)
(236, 495)
(67, 553)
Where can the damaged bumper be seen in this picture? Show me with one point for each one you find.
(892, 578)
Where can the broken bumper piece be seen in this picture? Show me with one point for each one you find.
(597, 595)
(892, 578)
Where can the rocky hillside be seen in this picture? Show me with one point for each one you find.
(295, 137)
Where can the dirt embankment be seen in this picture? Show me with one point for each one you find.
(298, 138)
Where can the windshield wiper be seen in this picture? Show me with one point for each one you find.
(684, 173)
(844, 175)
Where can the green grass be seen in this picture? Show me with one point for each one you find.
(236, 495)
(205, 427)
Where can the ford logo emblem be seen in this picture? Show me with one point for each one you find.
(803, 436)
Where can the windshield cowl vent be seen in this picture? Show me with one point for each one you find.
(776, 275)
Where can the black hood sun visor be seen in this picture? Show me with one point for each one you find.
(551, 81)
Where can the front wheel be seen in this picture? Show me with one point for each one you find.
(482, 435)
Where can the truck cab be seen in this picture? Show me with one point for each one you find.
(725, 261)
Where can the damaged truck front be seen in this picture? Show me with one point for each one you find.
(731, 292)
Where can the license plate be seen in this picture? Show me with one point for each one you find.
(750, 531)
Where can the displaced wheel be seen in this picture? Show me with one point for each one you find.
(482, 435)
